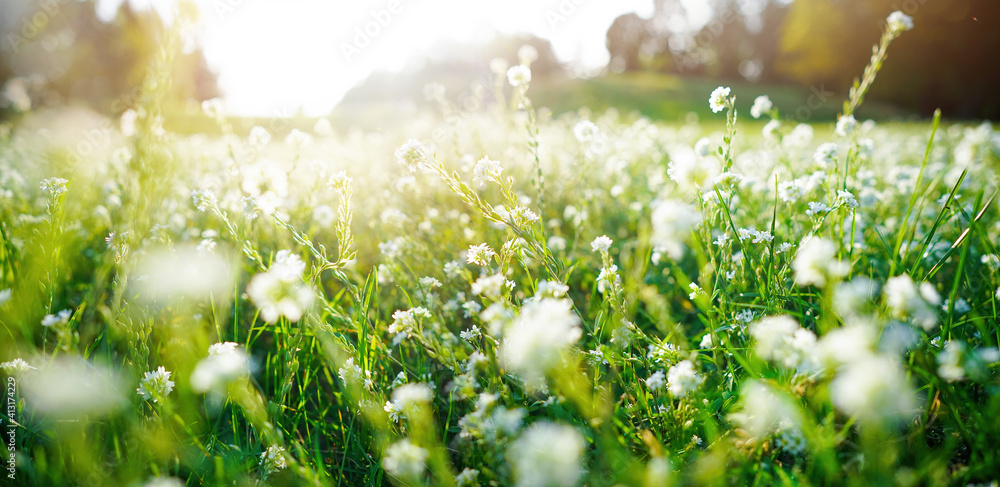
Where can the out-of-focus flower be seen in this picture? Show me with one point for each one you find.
(898, 22)
(225, 363)
(519, 75)
(547, 454)
(761, 106)
(404, 459)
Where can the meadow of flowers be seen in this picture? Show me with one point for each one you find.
(496, 296)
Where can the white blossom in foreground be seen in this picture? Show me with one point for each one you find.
(487, 170)
(183, 272)
(826, 154)
(225, 362)
(204, 199)
(682, 379)
(259, 137)
(60, 318)
(73, 387)
(412, 155)
(280, 291)
(539, 335)
(406, 322)
(469, 477)
(719, 99)
(601, 244)
(673, 223)
(15, 366)
(547, 454)
(480, 254)
(780, 339)
(847, 344)
(155, 385)
(691, 172)
(164, 482)
(656, 380)
(845, 125)
(898, 22)
(815, 262)
(272, 459)
(54, 186)
(950, 361)
(586, 131)
(906, 301)
(761, 106)
(874, 389)
(404, 459)
(519, 75)
(410, 396)
(764, 410)
(491, 286)
(550, 289)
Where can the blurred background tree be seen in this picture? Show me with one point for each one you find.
(946, 62)
(67, 55)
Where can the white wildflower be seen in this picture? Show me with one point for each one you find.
(780, 339)
(60, 318)
(898, 22)
(875, 389)
(259, 137)
(487, 170)
(815, 262)
(826, 154)
(601, 244)
(412, 154)
(950, 361)
(656, 380)
(719, 99)
(682, 378)
(519, 75)
(273, 459)
(539, 335)
(469, 477)
(906, 301)
(54, 186)
(280, 291)
(547, 454)
(404, 459)
(491, 286)
(480, 254)
(204, 199)
(761, 106)
(224, 364)
(155, 385)
(845, 125)
(673, 223)
(17, 365)
(586, 131)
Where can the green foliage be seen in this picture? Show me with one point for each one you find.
(688, 304)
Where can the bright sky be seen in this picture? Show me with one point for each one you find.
(274, 56)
